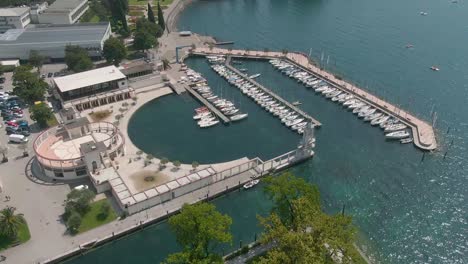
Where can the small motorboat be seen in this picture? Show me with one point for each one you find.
(251, 184)
(434, 68)
(296, 103)
(406, 140)
(209, 123)
(398, 134)
(254, 76)
(238, 117)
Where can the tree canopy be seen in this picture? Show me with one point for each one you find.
(27, 84)
(77, 59)
(161, 21)
(10, 222)
(118, 9)
(143, 41)
(41, 113)
(301, 231)
(199, 230)
(36, 59)
(79, 201)
(144, 25)
(283, 189)
(114, 51)
(151, 17)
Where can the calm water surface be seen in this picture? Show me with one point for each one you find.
(407, 210)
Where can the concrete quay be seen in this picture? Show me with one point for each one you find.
(423, 132)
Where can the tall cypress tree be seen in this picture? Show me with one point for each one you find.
(161, 22)
(151, 14)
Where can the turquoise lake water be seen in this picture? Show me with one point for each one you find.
(407, 210)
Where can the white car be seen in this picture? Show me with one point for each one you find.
(81, 187)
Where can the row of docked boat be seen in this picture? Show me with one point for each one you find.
(216, 59)
(223, 105)
(192, 76)
(204, 117)
(288, 116)
(392, 126)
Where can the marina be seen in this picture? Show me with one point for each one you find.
(208, 104)
(423, 133)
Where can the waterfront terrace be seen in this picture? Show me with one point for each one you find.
(423, 132)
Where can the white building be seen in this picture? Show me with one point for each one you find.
(64, 12)
(17, 17)
(50, 40)
(93, 88)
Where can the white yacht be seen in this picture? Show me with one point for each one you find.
(398, 134)
(238, 117)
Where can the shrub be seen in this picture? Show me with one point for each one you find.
(100, 115)
(74, 222)
(104, 211)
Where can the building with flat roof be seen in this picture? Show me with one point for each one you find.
(16, 17)
(77, 148)
(64, 12)
(51, 40)
(92, 88)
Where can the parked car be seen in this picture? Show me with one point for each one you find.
(56, 74)
(12, 123)
(43, 76)
(81, 187)
(15, 138)
(17, 115)
(49, 75)
(17, 130)
(8, 118)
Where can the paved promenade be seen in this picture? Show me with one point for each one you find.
(423, 132)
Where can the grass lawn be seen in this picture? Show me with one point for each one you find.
(135, 13)
(95, 19)
(137, 2)
(52, 121)
(23, 236)
(92, 219)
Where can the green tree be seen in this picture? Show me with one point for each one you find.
(27, 85)
(114, 51)
(36, 59)
(143, 41)
(161, 22)
(41, 113)
(78, 201)
(151, 14)
(74, 222)
(10, 222)
(285, 188)
(308, 235)
(144, 25)
(77, 59)
(199, 230)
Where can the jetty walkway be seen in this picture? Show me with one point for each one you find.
(423, 132)
(208, 104)
(315, 122)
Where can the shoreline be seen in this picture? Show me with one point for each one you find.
(172, 13)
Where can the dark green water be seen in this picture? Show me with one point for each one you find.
(408, 211)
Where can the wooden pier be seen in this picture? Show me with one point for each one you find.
(423, 132)
(208, 104)
(315, 122)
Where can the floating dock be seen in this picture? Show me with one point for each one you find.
(315, 122)
(423, 132)
(208, 105)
